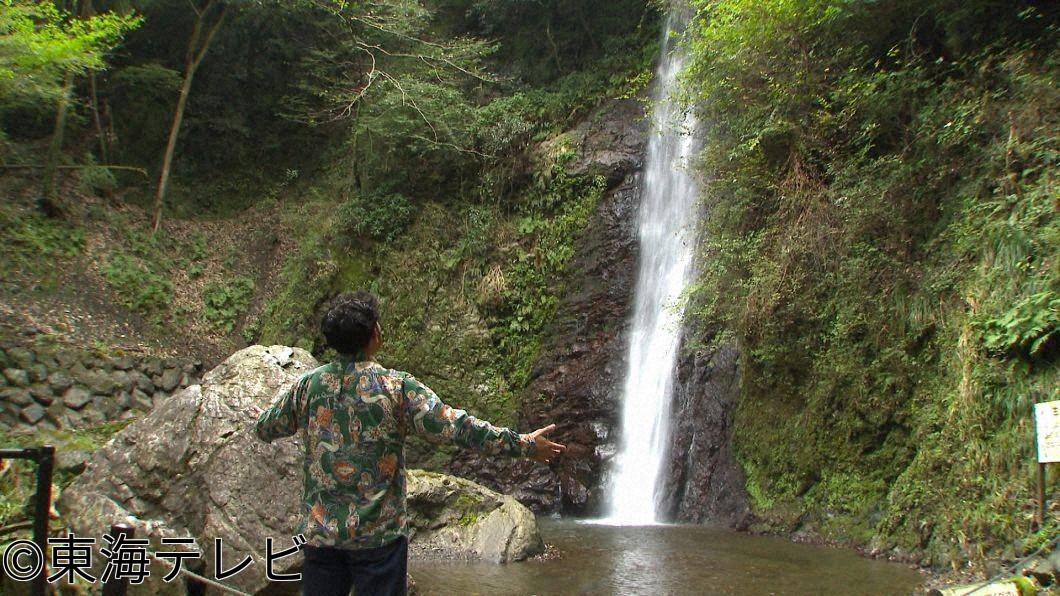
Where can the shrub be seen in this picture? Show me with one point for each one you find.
(137, 286)
(224, 301)
(376, 216)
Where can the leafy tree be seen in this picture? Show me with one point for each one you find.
(40, 44)
(542, 40)
(403, 91)
(209, 17)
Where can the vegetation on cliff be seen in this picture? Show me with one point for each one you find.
(882, 242)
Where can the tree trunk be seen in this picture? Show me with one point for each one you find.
(171, 145)
(552, 43)
(104, 152)
(49, 187)
(194, 57)
(47, 202)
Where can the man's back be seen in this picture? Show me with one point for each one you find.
(355, 417)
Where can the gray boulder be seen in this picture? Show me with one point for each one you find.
(193, 467)
(18, 397)
(22, 357)
(140, 401)
(43, 394)
(95, 380)
(142, 382)
(123, 363)
(107, 405)
(33, 413)
(122, 380)
(452, 517)
(60, 381)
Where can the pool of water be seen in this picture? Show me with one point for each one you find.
(599, 559)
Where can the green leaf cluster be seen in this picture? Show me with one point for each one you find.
(225, 300)
(377, 216)
(1026, 329)
(136, 285)
(39, 44)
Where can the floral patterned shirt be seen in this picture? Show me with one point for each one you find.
(354, 417)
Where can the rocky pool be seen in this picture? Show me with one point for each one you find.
(600, 559)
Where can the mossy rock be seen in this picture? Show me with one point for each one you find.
(452, 517)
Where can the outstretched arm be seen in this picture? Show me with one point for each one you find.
(439, 423)
(281, 419)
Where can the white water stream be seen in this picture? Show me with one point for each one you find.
(666, 224)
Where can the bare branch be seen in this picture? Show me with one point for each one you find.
(210, 35)
(405, 99)
(453, 146)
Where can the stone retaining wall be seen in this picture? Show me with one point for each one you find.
(49, 385)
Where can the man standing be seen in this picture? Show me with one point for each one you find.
(355, 415)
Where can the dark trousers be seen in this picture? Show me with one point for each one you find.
(381, 571)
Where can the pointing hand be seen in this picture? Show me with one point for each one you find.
(546, 451)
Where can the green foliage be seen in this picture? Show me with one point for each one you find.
(553, 214)
(96, 180)
(18, 486)
(30, 238)
(136, 285)
(39, 44)
(1025, 329)
(143, 97)
(468, 503)
(35, 249)
(377, 216)
(224, 301)
(882, 218)
(543, 41)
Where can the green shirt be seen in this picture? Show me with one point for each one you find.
(354, 417)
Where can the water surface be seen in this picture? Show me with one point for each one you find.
(599, 559)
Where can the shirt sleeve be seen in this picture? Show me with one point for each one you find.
(440, 423)
(281, 419)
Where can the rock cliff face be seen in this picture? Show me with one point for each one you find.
(578, 378)
(193, 467)
(703, 481)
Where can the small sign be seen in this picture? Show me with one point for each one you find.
(1047, 416)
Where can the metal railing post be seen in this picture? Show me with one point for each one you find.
(44, 457)
(118, 586)
(42, 512)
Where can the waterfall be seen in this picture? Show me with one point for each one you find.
(666, 224)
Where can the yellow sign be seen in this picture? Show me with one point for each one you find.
(1047, 416)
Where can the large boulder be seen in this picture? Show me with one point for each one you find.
(451, 517)
(193, 467)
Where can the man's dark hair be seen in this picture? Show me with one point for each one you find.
(348, 324)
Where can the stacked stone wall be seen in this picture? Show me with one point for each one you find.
(49, 384)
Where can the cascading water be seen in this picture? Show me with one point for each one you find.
(666, 224)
